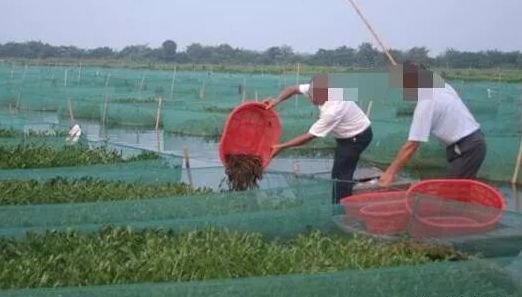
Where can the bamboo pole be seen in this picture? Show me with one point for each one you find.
(517, 164)
(379, 41)
(158, 114)
(187, 165)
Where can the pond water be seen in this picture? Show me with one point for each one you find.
(206, 167)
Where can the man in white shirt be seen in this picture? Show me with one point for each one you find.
(440, 112)
(338, 116)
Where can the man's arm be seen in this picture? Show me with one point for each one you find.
(403, 157)
(285, 94)
(297, 141)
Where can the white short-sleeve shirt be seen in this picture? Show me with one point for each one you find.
(342, 118)
(441, 112)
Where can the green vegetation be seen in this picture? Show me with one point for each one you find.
(118, 255)
(61, 190)
(31, 133)
(364, 56)
(496, 74)
(9, 133)
(40, 156)
(511, 75)
(226, 110)
(135, 100)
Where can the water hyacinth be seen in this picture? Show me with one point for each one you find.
(123, 255)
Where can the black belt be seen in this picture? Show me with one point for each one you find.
(462, 145)
(477, 134)
(354, 138)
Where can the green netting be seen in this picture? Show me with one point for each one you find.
(291, 208)
(470, 278)
(197, 103)
(279, 212)
(164, 168)
(283, 207)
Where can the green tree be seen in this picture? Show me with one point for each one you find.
(168, 50)
(366, 55)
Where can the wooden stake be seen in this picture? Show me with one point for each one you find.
(516, 197)
(369, 108)
(383, 47)
(255, 95)
(142, 83)
(158, 139)
(104, 114)
(158, 114)
(514, 180)
(25, 71)
(172, 84)
(107, 80)
(243, 95)
(187, 165)
(80, 73)
(71, 114)
(18, 100)
(296, 167)
(65, 79)
(297, 70)
(202, 91)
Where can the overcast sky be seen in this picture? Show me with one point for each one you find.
(306, 25)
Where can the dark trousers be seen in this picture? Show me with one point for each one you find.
(466, 156)
(347, 154)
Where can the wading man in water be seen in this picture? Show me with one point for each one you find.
(339, 116)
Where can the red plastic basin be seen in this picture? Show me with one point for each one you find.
(448, 207)
(353, 204)
(251, 130)
(387, 218)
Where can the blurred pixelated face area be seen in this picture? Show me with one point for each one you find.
(319, 89)
(413, 79)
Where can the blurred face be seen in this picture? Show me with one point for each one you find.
(319, 89)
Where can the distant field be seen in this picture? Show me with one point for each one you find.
(495, 74)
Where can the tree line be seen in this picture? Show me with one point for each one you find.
(364, 56)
